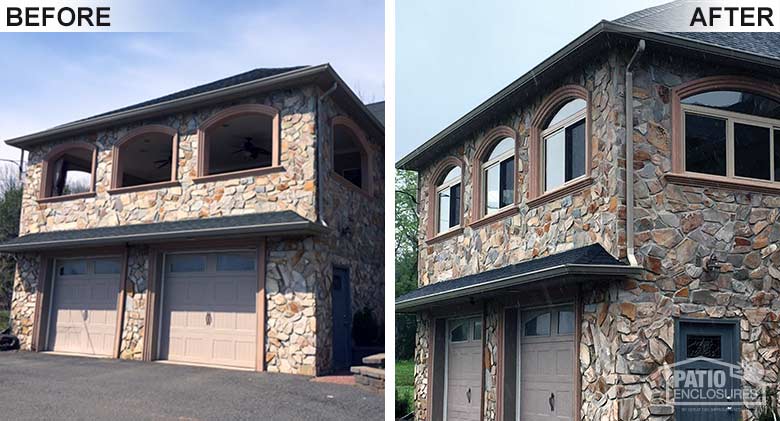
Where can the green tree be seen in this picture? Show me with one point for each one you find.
(406, 253)
(10, 210)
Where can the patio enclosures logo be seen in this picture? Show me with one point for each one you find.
(84, 16)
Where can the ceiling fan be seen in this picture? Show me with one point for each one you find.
(161, 163)
(248, 150)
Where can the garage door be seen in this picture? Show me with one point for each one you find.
(208, 313)
(464, 363)
(83, 310)
(546, 365)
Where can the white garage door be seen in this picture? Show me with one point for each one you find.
(464, 365)
(546, 365)
(83, 310)
(208, 314)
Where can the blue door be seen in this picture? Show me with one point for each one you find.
(342, 319)
(706, 373)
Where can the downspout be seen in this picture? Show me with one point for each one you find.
(640, 48)
(317, 192)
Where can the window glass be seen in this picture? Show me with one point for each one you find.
(106, 266)
(565, 322)
(71, 173)
(477, 336)
(347, 155)
(777, 155)
(452, 175)
(575, 150)
(240, 143)
(73, 267)
(703, 346)
(507, 182)
(492, 189)
(538, 326)
(554, 150)
(738, 102)
(752, 157)
(187, 263)
(455, 205)
(705, 144)
(568, 110)
(460, 331)
(146, 159)
(502, 147)
(449, 201)
(444, 209)
(236, 262)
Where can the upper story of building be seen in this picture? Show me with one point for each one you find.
(262, 141)
(540, 167)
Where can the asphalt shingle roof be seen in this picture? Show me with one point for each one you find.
(225, 225)
(589, 255)
(378, 110)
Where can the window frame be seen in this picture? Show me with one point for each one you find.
(447, 185)
(485, 147)
(490, 164)
(366, 155)
(441, 170)
(116, 161)
(538, 132)
(230, 113)
(44, 193)
(554, 129)
(678, 175)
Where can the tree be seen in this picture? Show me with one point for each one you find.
(406, 252)
(10, 210)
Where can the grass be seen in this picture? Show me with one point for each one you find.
(4, 316)
(404, 387)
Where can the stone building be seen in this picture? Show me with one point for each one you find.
(608, 220)
(237, 223)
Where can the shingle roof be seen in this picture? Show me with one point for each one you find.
(284, 222)
(378, 110)
(592, 255)
(660, 18)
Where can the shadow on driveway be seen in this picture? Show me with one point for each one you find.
(45, 386)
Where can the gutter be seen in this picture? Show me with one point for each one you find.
(629, 98)
(556, 271)
(300, 227)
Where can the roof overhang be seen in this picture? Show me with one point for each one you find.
(601, 36)
(322, 75)
(568, 273)
(235, 227)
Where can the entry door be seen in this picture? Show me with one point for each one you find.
(713, 346)
(83, 310)
(547, 364)
(464, 369)
(208, 313)
(342, 319)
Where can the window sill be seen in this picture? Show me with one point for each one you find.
(142, 187)
(66, 198)
(453, 232)
(703, 180)
(348, 184)
(238, 174)
(508, 211)
(565, 190)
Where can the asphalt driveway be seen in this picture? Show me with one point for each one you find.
(44, 386)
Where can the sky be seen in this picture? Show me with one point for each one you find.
(451, 55)
(47, 79)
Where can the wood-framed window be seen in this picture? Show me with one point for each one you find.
(448, 201)
(495, 176)
(239, 141)
(352, 157)
(68, 172)
(145, 158)
(560, 146)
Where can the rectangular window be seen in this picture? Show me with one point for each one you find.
(235, 262)
(564, 155)
(444, 210)
(507, 182)
(106, 266)
(455, 205)
(703, 346)
(73, 267)
(449, 207)
(705, 144)
(575, 150)
(752, 156)
(554, 149)
(187, 263)
(492, 188)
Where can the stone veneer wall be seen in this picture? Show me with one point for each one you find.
(132, 345)
(24, 298)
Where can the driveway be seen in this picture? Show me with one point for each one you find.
(45, 386)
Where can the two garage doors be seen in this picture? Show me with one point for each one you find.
(207, 312)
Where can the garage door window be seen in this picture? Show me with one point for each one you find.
(73, 267)
(187, 263)
(538, 325)
(464, 330)
(549, 322)
(235, 262)
(106, 266)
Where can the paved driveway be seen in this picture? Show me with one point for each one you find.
(45, 386)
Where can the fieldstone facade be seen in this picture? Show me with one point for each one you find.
(298, 270)
(707, 252)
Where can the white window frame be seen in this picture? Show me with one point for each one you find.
(731, 118)
(446, 185)
(553, 130)
(487, 165)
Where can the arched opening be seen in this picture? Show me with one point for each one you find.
(351, 159)
(68, 170)
(145, 156)
(563, 145)
(448, 200)
(498, 176)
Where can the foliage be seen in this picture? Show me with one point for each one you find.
(4, 319)
(365, 329)
(406, 237)
(404, 387)
(769, 412)
(10, 209)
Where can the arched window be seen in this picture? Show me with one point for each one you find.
(351, 160)
(448, 200)
(563, 145)
(144, 156)
(497, 171)
(68, 170)
(241, 140)
(732, 133)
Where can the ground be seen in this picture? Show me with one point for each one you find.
(45, 386)
(404, 384)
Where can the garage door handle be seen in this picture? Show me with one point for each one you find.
(208, 319)
(84, 315)
(552, 402)
(468, 395)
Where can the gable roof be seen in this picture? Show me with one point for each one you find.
(725, 49)
(378, 110)
(233, 87)
(588, 260)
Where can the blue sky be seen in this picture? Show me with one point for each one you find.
(453, 54)
(50, 79)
